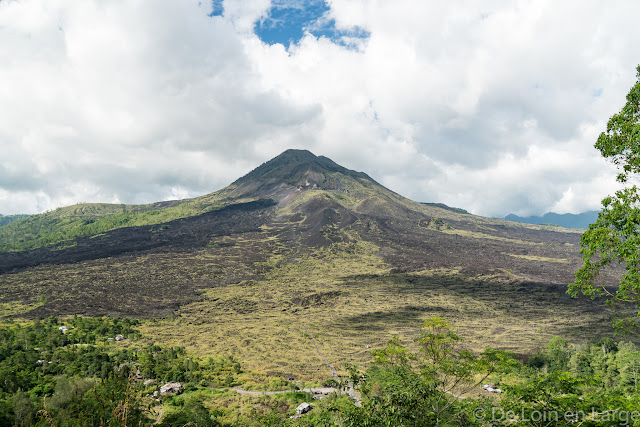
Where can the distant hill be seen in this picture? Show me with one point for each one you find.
(581, 220)
(449, 208)
(6, 219)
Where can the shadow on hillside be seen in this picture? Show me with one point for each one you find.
(408, 315)
(179, 234)
(470, 302)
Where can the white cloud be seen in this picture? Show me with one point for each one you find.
(490, 106)
(245, 13)
(132, 100)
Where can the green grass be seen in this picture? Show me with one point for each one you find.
(351, 304)
(540, 258)
(66, 224)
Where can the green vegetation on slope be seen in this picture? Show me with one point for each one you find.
(7, 219)
(94, 372)
(293, 179)
(593, 384)
(63, 225)
(449, 208)
(83, 377)
(347, 299)
(252, 294)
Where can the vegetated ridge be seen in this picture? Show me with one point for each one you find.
(7, 219)
(449, 208)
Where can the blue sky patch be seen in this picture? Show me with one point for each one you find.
(217, 8)
(288, 21)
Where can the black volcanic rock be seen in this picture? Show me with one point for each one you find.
(299, 169)
(299, 203)
(296, 167)
(178, 235)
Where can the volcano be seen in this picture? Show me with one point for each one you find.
(322, 203)
(298, 236)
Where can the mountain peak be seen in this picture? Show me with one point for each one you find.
(293, 154)
(300, 168)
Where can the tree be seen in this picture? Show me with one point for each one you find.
(22, 408)
(615, 236)
(628, 365)
(558, 354)
(405, 387)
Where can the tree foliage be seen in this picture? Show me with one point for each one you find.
(615, 236)
(80, 376)
(424, 387)
(432, 381)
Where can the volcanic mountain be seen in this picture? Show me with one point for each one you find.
(304, 242)
(322, 202)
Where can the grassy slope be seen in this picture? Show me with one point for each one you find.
(351, 303)
(65, 224)
(254, 295)
(8, 219)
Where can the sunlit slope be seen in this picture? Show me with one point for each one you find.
(257, 295)
(63, 225)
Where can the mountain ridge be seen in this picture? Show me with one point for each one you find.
(287, 178)
(8, 219)
(291, 161)
(568, 220)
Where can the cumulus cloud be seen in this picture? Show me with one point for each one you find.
(125, 103)
(490, 106)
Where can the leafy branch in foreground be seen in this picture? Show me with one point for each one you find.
(425, 387)
(615, 236)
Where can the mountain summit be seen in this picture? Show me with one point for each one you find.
(290, 181)
(299, 169)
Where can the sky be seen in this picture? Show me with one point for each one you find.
(490, 106)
